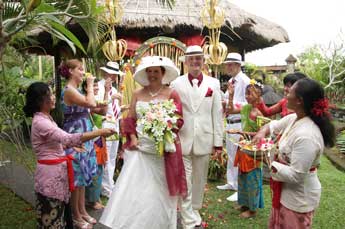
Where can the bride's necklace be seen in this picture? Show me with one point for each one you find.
(156, 93)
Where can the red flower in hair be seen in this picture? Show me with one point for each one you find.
(64, 71)
(320, 107)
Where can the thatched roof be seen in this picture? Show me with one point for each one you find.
(255, 32)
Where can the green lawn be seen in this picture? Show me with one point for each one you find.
(217, 211)
(15, 213)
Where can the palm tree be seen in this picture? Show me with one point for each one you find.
(18, 17)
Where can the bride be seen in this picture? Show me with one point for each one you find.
(147, 190)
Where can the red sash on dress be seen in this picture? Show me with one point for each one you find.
(276, 189)
(70, 172)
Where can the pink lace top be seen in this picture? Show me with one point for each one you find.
(47, 142)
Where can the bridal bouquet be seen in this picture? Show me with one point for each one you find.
(158, 122)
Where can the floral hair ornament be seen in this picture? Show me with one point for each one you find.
(254, 82)
(320, 107)
(64, 70)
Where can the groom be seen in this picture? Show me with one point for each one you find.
(202, 132)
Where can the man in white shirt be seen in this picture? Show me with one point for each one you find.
(240, 81)
(110, 71)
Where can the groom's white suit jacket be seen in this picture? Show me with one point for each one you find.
(203, 120)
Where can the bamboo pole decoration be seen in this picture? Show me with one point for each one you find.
(213, 18)
(114, 49)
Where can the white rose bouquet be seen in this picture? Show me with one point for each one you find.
(158, 123)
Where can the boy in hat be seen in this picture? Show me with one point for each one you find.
(202, 132)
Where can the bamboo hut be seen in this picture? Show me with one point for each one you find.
(147, 18)
(144, 19)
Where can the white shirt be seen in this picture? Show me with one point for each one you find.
(300, 146)
(110, 112)
(241, 83)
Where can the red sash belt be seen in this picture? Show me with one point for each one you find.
(276, 190)
(70, 172)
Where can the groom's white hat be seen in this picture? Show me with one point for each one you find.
(193, 50)
(171, 71)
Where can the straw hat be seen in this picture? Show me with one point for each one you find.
(233, 57)
(112, 68)
(171, 71)
(194, 50)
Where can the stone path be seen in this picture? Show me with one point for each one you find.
(20, 181)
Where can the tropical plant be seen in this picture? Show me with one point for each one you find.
(217, 166)
(24, 17)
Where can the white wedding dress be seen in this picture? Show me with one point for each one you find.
(140, 198)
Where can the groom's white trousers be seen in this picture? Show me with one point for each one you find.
(196, 168)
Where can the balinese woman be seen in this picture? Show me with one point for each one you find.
(54, 172)
(296, 186)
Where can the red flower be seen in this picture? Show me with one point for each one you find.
(320, 107)
(209, 92)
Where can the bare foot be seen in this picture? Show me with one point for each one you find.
(241, 208)
(248, 214)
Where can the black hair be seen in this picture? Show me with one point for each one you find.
(257, 87)
(293, 77)
(311, 91)
(162, 69)
(84, 85)
(35, 95)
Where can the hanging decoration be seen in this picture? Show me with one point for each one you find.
(114, 49)
(213, 17)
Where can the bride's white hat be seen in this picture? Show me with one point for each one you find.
(171, 71)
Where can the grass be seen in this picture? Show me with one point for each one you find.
(217, 211)
(15, 212)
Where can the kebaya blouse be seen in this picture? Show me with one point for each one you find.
(300, 148)
(48, 141)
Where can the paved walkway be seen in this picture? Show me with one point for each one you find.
(20, 181)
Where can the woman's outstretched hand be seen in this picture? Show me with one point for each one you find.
(106, 132)
(260, 135)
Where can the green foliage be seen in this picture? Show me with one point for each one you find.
(341, 142)
(12, 98)
(217, 166)
(313, 63)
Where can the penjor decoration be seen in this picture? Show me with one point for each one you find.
(114, 49)
(213, 17)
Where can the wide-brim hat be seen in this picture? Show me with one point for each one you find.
(194, 50)
(233, 57)
(112, 68)
(171, 71)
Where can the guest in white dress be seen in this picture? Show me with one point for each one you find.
(295, 184)
(146, 192)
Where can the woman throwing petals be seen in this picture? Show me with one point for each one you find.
(54, 172)
(295, 184)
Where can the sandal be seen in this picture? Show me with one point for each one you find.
(97, 206)
(81, 224)
(89, 219)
